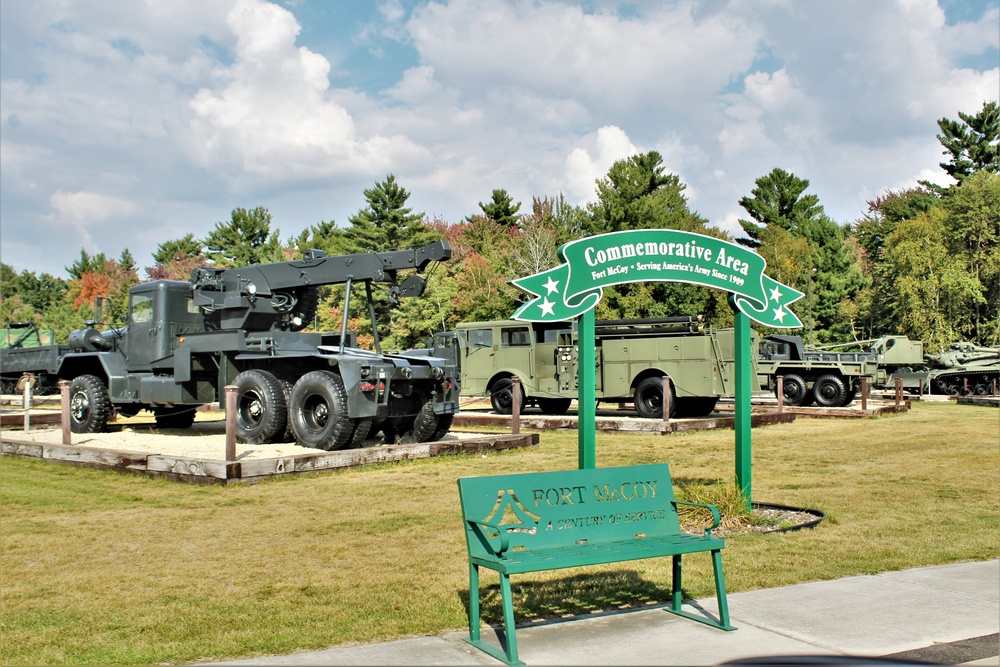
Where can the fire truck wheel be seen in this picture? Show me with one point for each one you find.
(502, 396)
(319, 411)
(89, 405)
(648, 399)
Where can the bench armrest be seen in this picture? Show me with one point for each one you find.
(716, 518)
(478, 526)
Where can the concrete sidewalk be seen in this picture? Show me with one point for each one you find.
(945, 614)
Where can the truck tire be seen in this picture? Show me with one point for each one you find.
(362, 427)
(319, 411)
(444, 425)
(425, 424)
(89, 405)
(502, 396)
(648, 399)
(794, 390)
(181, 416)
(286, 390)
(554, 406)
(261, 411)
(829, 391)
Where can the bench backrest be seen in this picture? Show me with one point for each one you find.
(548, 509)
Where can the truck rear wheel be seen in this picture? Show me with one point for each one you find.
(648, 399)
(554, 406)
(319, 411)
(261, 412)
(444, 425)
(286, 390)
(793, 390)
(425, 424)
(362, 427)
(829, 391)
(89, 405)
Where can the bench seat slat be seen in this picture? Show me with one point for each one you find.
(535, 560)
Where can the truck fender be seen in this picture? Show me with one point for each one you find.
(109, 366)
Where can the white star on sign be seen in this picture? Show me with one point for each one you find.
(552, 285)
(779, 314)
(776, 295)
(546, 307)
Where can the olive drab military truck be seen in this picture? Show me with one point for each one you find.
(829, 379)
(633, 356)
(185, 341)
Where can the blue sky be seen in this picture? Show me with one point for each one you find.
(127, 124)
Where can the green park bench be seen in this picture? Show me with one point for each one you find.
(533, 522)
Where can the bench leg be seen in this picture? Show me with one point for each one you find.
(473, 602)
(676, 597)
(508, 619)
(720, 590)
(507, 603)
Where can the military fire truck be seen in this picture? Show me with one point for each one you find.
(632, 358)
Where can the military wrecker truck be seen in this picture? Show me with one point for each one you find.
(185, 341)
(633, 356)
(830, 379)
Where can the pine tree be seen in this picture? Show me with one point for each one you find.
(245, 239)
(387, 224)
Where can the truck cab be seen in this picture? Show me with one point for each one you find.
(489, 354)
(158, 314)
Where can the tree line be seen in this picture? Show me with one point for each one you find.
(922, 261)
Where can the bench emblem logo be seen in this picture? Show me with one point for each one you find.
(512, 513)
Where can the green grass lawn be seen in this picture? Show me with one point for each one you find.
(104, 568)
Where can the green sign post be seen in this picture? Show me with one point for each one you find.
(572, 290)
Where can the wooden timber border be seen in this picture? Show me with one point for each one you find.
(817, 412)
(632, 424)
(205, 471)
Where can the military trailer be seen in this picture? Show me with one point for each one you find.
(632, 358)
(830, 379)
(185, 341)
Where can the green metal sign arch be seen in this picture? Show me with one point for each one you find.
(572, 290)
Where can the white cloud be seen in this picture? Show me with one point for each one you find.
(591, 160)
(274, 115)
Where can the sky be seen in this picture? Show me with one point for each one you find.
(128, 123)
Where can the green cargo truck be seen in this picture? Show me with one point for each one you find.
(830, 379)
(632, 358)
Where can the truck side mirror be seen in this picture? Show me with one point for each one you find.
(99, 308)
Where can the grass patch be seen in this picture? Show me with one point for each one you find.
(105, 568)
